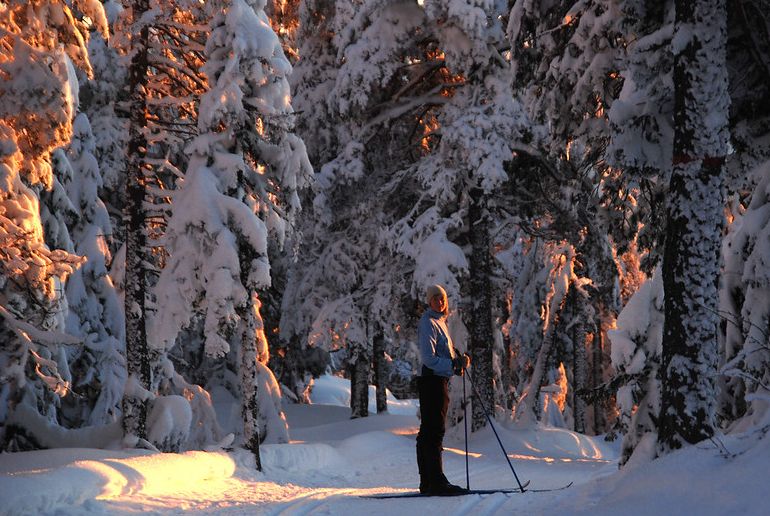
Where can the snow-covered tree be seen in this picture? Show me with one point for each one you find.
(447, 233)
(745, 307)
(694, 226)
(372, 119)
(240, 189)
(748, 47)
(95, 314)
(100, 98)
(641, 119)
(40, 43)
(560, 283)
(566, 57)
(636, 356)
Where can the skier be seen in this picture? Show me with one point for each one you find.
(439, 361)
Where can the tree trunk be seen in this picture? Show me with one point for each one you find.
(480, 312)
(579, 371)
(137, 356)
(528, 408)
(695, 221)
(380, 372)
(509, 382)
(359, 386)
(249, 379)
(597, 359)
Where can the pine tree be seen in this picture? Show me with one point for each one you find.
(469, 144)
(748, 69)
(695, 220)
(561, 279)
(641, 121)
(99, 98)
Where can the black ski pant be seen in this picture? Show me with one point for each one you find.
(434, 402)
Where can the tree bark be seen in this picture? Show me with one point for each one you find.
(597, 359)
(480, 312)
(695, 221)
(508, 378)
(579, 371)
(359, 385)
(380, 372)
(137, 355)
(528, 408)
(249, 379)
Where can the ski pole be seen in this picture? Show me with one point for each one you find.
(489, 419)
(465, 420)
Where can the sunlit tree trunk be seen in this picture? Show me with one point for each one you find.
(137, 356)
(508, 376)
(528, 409)
(249, 380)
(695, 221)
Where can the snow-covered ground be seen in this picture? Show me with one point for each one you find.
(332, 460)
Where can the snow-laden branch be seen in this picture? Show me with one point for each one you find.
(48, 338)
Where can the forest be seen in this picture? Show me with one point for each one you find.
(238, 196)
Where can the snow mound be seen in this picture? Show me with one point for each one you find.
(107, 475)
(698, 479)
(333, 390)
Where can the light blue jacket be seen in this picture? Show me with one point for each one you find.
(435, 343)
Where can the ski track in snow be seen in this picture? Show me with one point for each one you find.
(307, 504)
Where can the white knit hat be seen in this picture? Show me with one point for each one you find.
(434, 290)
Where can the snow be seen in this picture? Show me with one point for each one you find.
(169, 419)
(331, 390)
(332, 460)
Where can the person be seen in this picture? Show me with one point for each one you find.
(439, 362)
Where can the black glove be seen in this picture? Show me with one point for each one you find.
(458, 365)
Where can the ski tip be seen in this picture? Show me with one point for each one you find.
(550, 489)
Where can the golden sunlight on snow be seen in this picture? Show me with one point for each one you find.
(406, 430)
(461, 452)
(155, 476)
(168, 489)
(549, 460)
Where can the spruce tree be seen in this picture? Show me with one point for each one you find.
(240, 190)
(95, 314)
(745, 284)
